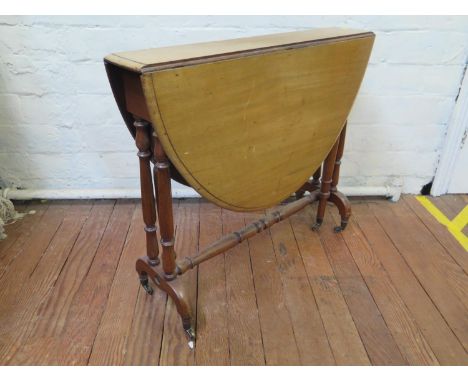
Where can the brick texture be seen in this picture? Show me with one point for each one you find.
(60, 127)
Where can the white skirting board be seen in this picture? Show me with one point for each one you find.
(392, 193)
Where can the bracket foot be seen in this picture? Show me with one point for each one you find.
(173, 290)
(344, 208)
(144, 281)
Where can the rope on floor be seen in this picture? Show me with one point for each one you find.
(7, 214)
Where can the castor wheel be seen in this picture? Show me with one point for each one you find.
(341, 227)
(145, 284)
(317, 225)
(191, 337)
(190, 332)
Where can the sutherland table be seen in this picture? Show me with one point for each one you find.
(244, 122)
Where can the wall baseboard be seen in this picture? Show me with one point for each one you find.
(28, 194)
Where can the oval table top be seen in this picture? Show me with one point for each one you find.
(247, 123)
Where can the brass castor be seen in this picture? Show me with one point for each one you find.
(144, 281)
(341, 227)
(190, 332)
(317, 225)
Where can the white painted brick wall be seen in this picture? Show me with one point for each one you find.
(60, 127)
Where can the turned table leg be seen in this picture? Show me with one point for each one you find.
(325, 186)
(337, 198)
(164, 205)
(143, 143)
(316, 178)
(147, 267)
(310, 185)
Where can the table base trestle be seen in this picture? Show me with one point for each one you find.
(165, 274)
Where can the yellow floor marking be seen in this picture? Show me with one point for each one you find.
(461, 220)
(454, 226)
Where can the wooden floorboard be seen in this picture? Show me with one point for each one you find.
(245, 339)
(14, 229)
(437, 332)
(397, 316)
(110, 344)
(212, 346)
(90, 301)
(49, 317)
(444, 281)
(440, 232)
(390, 290)
(19, 234)
(375, 334)
(70, 314)
(312, 341)
(38, 276)
(343, 336)
(279, 342)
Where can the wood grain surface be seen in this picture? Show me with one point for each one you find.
(385, 291)
(148, 60)
(248, 132)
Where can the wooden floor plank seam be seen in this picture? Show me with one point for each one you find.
(133, 315)
(195, 313)
(5, 258)
(14, 227)
(212, 346)
(72, 248)
(195, 272)
(377, 305)
(297, 317)
(455, 273)
(226, 298)
(404, 259)
(109, 290)
(437, 237)
(419, 280)
(241, 292)
(420, 303)
(195, 310)
(163, 320)
(56, 327)
(256, 299)
(275, 320)
(415, 322)
(406, 310)
(283, 287)
(312, 291)
(65, 264)
(381, 292)
(45, 250)
(98, 244)
(374, 304)
(126, 243)
(34, 301)
(310, 218)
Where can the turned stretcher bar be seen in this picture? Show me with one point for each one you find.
(231, 240)
(245, 123)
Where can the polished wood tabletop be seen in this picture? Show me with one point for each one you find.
(246, 122)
